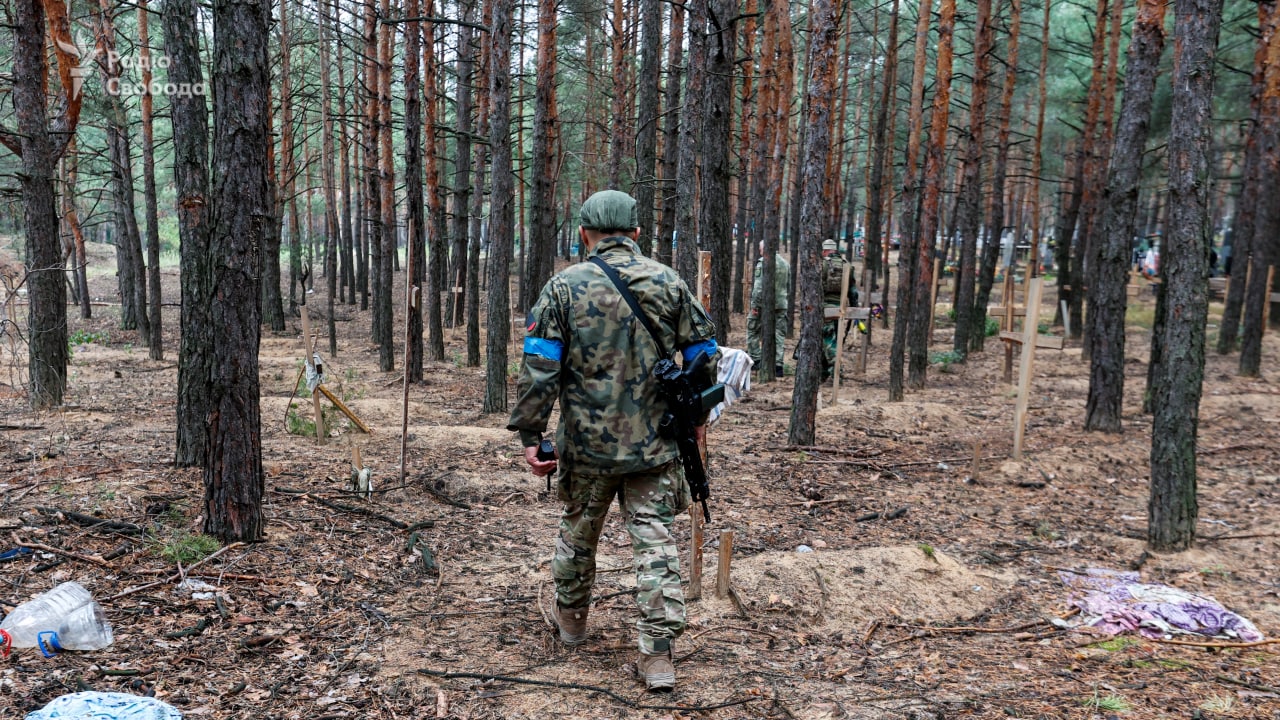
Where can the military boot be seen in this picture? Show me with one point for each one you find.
(657, 671)
(570, 622)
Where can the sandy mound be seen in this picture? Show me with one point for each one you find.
(906, 417)
(845, 589)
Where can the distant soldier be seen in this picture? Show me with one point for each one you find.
(760, 301)
(584, 345)
(833, 265)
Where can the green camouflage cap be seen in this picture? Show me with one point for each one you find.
(609, 210)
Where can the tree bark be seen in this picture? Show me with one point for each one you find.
(501, 210)
(646, 181)
(1172, 509)
(190, 117)
(155, 345)
(1107, 295)
(934, 168)
(416, 220)
(47, 312)
(1266, 221)
(1242, 227)
(715, 229)
(999, 174)
(331, 229)
(233, 478)
(373, 228)
(875, 187)
(457, 273)
(437, 248)
(617, 128)
(687, 183)
(542, 201)
(968, 215)
(383, 305)
(671, 139)
(814, 220)
(907, 265)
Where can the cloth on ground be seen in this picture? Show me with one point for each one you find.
(735, 373)
(1113, 602)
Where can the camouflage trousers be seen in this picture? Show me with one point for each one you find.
(754, 324)
(649, 502)
(829, 337)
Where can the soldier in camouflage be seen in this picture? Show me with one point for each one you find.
(584, 346)
(760, 301)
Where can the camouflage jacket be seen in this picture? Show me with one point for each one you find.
(585, 346)
(781, 283)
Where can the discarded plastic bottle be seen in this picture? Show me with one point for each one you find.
(65, 618)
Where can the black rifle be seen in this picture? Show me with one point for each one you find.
(689, 395)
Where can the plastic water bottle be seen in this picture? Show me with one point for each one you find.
(65, 618)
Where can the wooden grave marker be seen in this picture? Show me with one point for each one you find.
(844, 315)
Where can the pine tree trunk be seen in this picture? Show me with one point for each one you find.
(1107, 294)
(1037, 154)
(233, 478)
(190, 118)
(968, 216)
(671, 139)
(1176, 398)
(814, 211)
(155, 346)
(646, 182)
(999, 174)
(776, 130)
(416, 219)
(617, 132)
(72, 161)
(880, 149)
(907, 265)
(1266, 220)
(1251, 183)
(690, 145)
(934, 166)
(457, 272)
(438, 249)
(501, 211)
(542, 210)
(332, 233)
(373, 229)
(46, 289)
(383, 305)
(131, 268)
(714, 222)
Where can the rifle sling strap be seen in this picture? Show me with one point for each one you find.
(627, 295)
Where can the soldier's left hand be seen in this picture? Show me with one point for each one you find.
(540, 468)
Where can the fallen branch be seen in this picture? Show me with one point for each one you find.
(1251, 536)
(92, 559)
(856, 452)
(1216, 644)
(89, 521)
(578, 686)
(969, 629)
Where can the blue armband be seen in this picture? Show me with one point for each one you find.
(552, 350)
(690, 351)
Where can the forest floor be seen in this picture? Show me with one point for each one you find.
(938, 607)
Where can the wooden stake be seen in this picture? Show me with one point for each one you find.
(1007, 293)
(977, 459)
(842, 326)
(321, 434)
(1027, 364)
(337, 402)
(722, 569)
(695, 555)
(933, 294)
(704, 278)
(1066, 319)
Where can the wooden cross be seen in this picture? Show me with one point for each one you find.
(1030, 339)
(457, 297)
(1007, 312)
(844, 315)
(308, 349)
